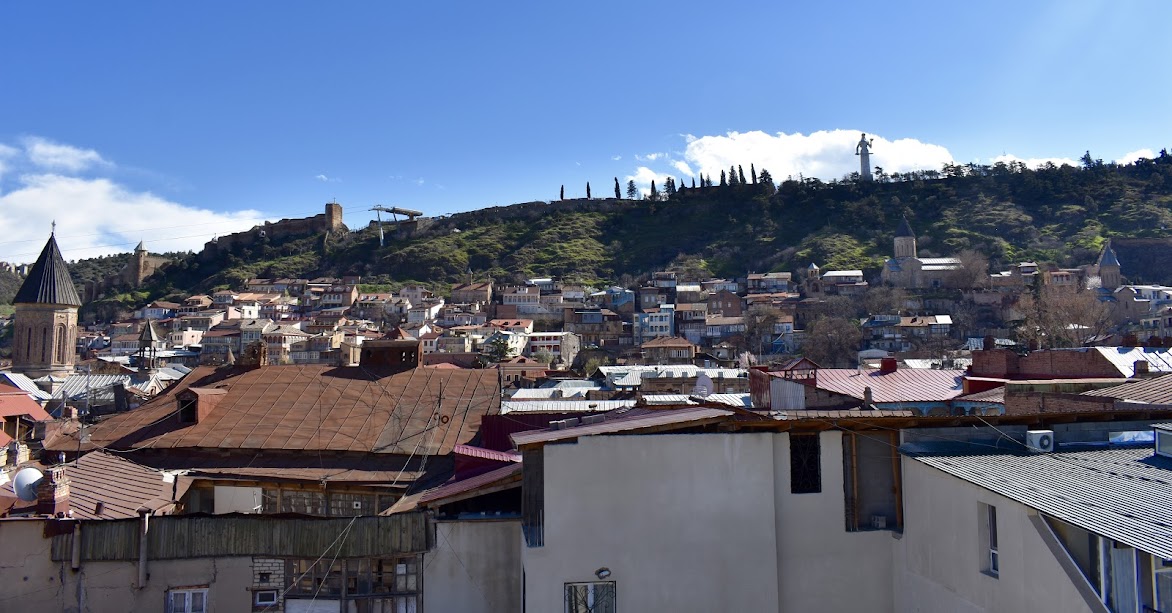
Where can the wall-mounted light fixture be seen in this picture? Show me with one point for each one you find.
(602, 573)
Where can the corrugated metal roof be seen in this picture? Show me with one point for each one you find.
(486, 454)
(904, 385)
(687, 416)
(797, 415)
(48, 281)
(497, 476)
(22, 381)
(76, 385)
(1124, 358)
(315, 407)
(744, 401)
(563, 406)
(1122, 494)
(666, 399)
(1150, 391)
(996, 395)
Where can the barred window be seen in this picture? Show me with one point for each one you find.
(600, 597)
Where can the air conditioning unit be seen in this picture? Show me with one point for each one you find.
(1040, 441)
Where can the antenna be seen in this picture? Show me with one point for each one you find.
(26, 482)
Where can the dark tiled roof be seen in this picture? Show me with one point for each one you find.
(904, 229)
(1122, 494)
(120, 485)
(1108, 257)
(48, 280)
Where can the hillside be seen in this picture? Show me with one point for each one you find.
(1060, 215)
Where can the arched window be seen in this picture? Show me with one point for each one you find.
(45, 346)
(61, 338)
(28, 345)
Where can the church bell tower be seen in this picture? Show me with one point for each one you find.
(45, 330)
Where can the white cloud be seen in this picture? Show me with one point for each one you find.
(99, 217)
(1034, 163)
(419, 181)
(650, 157)
(1131, 156)
(6, 153)
(823, 154)
(48, 154)
(616, 157)
(644, 176)
(327, 179)
(682, 167)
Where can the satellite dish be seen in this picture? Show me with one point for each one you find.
(703, 386)
(26, 482)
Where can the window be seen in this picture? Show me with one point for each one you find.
(264, 598)
(805, 464)
(1164, 443)
(987, 530)
(187, 600)
(591, 597)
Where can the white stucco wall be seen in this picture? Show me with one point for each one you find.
(938, 561)
(684, 522)
(821, 566)
(475, 567)
(32, 582)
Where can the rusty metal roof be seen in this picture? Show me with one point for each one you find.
(904, 385)
(314, 408)
(15, 402)
(106, 486)
(1150, 391)
(506, 475)
(487, 454)
(635, 421)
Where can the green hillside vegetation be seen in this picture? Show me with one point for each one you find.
(1010, 213)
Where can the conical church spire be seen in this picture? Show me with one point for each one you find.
(48, 281)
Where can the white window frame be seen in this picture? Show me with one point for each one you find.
(188, 594)
(257, 600)
(991, 557)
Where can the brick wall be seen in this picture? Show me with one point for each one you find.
(1034, 403)
(1046, 364)
(275, 569)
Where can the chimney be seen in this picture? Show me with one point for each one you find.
(17, 453)
(1141, 368)
(989, 343)
(868, 398)
(395, 355)
(53, 492)
(888, 366)
(1130, 340)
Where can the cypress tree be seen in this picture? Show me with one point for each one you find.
(723, 179)
(587, 190)
(693, 182)
(562, 194)
(753, 169)
(617, 193)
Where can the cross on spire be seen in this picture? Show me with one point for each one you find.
(53, 230)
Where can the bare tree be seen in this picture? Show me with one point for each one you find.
(759, 324)
(884, 300)
(1062, 317)
(972, 272)
(832, 341)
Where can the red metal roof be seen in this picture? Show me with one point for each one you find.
(487, 454)
(15, 402)
(313, 408)
(501, 475)
(904, 385)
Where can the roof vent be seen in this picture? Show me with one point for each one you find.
(888, 366)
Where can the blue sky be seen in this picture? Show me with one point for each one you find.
(172, 122)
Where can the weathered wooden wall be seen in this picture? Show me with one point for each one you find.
(193, 536)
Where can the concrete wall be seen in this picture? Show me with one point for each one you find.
(821, 566)
(938, 561)
(684, 522)
(475, 567)
(33, 582)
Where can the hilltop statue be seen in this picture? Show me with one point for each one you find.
(863, 150)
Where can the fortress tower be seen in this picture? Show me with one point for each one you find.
(333, 217)
(46, 317)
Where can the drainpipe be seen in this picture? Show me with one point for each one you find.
(75, 558)
(144, 523)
